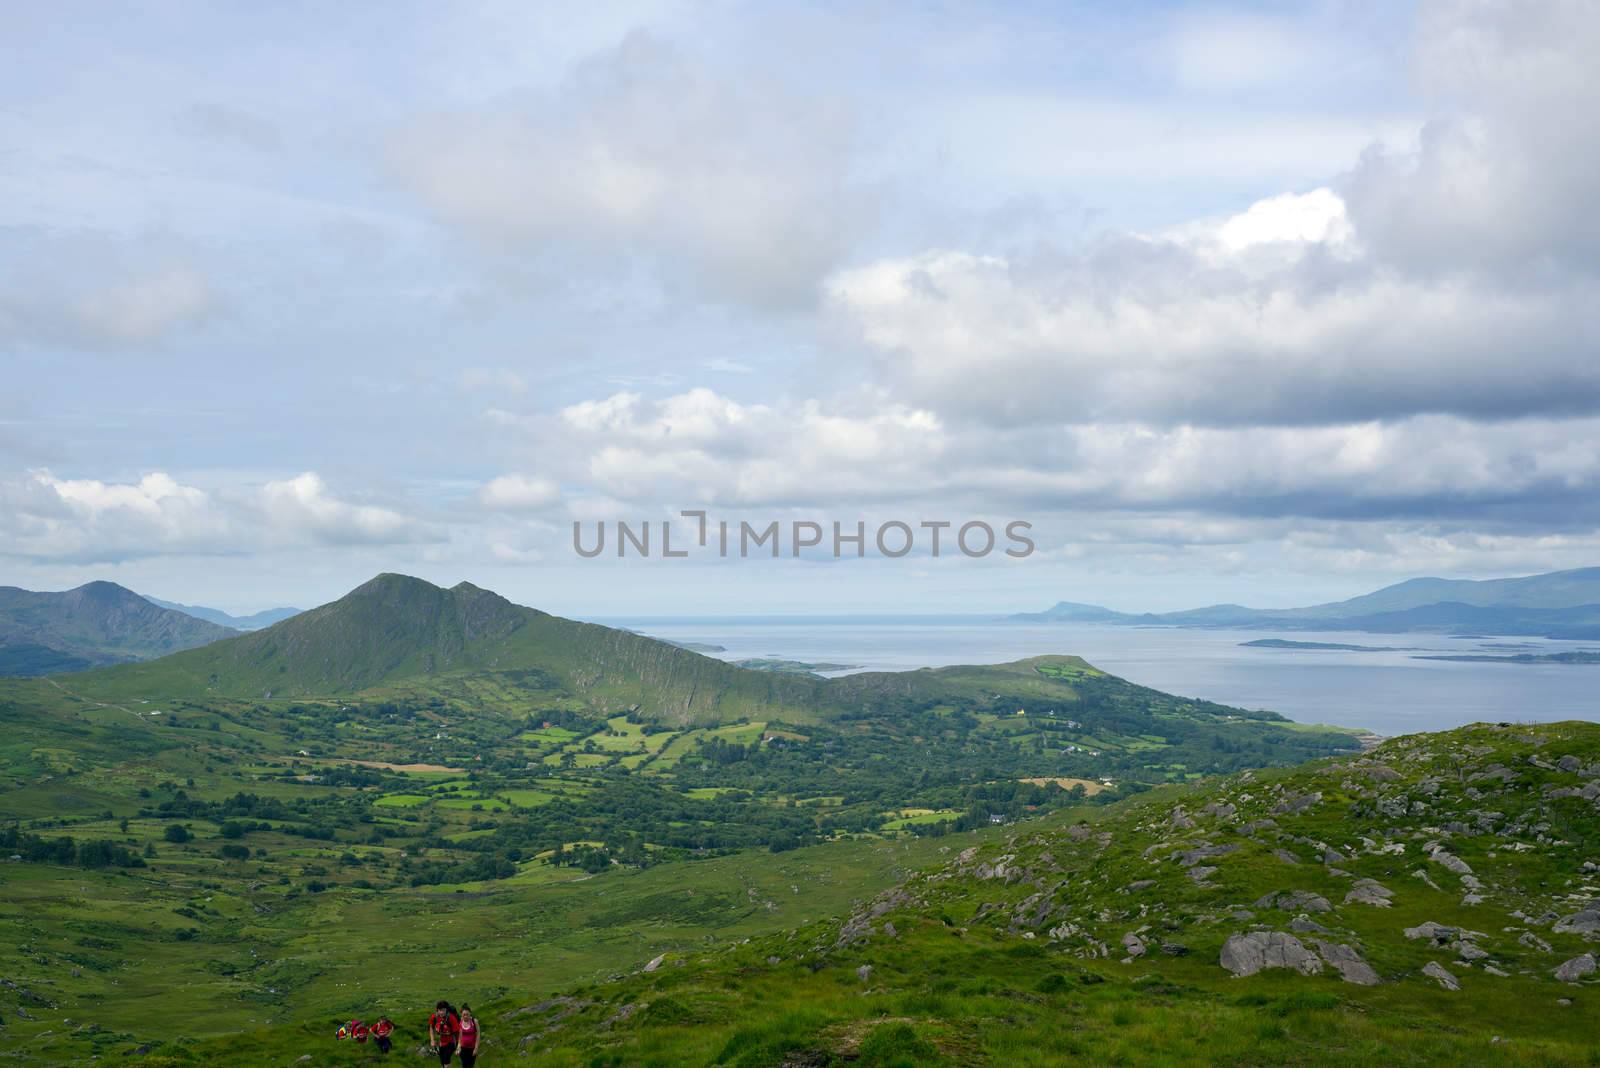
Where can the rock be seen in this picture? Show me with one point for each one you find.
(1468, 951)
(1369, 892)
(1175, 949)
(1306, 925)
(1133, 944)
(1348, 963)
(774, 961)
(1295, 901)
(1434, 970)
(1533, 941)
(1181, 820)
(1296, 804)
(1137, 885)
(303, 1058)
(1247, 954)
(1569, 763)
(1576, 968)
(864, 972)
(1188, 858)
(1286, 856)
(1439, 934)
(655, 963)
(1449, 861)
(1586, 922)
(1201, 874)
(889, 929)
(627, 1012)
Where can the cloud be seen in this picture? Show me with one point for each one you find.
(518, 493)
(1458, 277)
(96, 291)
(145, 308)
(863, 450)
(725, 186)
(1503, 180)
(1143, 329)
(301, 508)
(43, 517)
(493, 379)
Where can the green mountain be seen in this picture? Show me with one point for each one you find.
(254, 621)
(97, 623)
(1560, 604)
(410, 640)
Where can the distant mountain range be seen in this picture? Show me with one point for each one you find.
(257, 621)
(1560, 604)
(96, 624)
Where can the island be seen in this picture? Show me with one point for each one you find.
(1284, 643)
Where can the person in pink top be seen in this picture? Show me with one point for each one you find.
(467, 1031)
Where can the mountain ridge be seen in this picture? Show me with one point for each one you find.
(1558, 604)
(98, 623)
(254, 621)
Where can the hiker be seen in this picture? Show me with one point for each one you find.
(359, 1031)
(468, 1031)
(381, 1032)
(443, 1028)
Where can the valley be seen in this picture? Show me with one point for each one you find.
(414, 786)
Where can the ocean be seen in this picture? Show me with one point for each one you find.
(1386, 692)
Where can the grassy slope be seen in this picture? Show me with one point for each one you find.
(1011, 954)
(97, 949)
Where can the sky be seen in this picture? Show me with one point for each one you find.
(1269, 304)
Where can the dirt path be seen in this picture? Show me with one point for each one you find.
(397, 767)
(95, 704)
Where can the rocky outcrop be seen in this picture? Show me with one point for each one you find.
(1434, 970)
(1348, 963)
(1295, 901)
(1247, 954)
(1576, 968)
(1585, 922)
(1369, 892)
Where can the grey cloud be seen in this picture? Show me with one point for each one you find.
(722, 186)
(90, 290)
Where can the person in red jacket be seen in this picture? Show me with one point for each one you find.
(444, 1028)
(381, 1032)
(468, 1037)
(359, 1032)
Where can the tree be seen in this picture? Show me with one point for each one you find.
(177, 832)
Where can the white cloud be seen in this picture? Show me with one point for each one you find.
(302, 508)
(48, 518)
(516, 493)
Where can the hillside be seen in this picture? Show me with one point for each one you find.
(1436, 901)
(98, 623)
(1560, 604)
